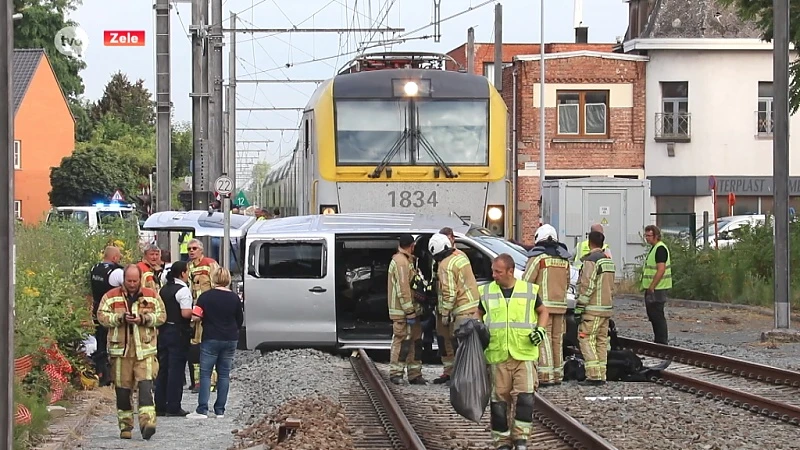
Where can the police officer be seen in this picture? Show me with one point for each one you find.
(512, 311)
(594, 305)
(458, 297)
(582, 249)
(548, 268)
(173, 341)
(104, 276)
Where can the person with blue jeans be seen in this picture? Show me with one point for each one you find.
(221, 312)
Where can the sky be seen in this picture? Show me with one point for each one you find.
(313, 55)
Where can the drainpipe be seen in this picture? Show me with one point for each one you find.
(514, 155)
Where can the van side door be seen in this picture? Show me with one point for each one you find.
(480, 261)
(290, 300)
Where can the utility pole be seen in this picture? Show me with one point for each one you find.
(7, 219)
(215, 101)
(231, 161)
(163, 114)
(200, 175)
(780, 162)
(542, 111)
(498, 47)
(471, 50)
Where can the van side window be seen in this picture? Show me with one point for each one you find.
(481, 262)
(292, 260)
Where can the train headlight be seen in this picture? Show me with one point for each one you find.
(328, 209)
(494, 213)
(411, 88)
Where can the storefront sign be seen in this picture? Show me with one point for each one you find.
(753, 185)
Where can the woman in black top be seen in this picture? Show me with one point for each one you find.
(220, 309)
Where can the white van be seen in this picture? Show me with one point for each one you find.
(726, 227)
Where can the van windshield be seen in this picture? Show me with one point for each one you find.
(81, 217)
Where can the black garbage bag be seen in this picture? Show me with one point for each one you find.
(470, 388)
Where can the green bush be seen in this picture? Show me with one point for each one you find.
(53, 300)
(742, 273)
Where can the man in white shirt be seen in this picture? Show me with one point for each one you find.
(173, 342)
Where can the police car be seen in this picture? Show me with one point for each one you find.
(95, 216)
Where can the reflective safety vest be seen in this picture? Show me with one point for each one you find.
(510, 322)
(199, 282)
(401, 275)
(649, 269)
(149, 279)
(132, 340)
(581, 250)
(188, 236)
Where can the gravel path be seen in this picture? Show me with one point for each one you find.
(259, 384)
(661, 418)
(722, 331)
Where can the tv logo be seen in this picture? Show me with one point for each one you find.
(71, 41)
(123, 38)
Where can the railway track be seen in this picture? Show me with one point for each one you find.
(761, 389)
(421, 418)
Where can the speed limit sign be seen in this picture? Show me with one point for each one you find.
(223, 185)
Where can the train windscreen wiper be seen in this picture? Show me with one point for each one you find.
(389, 156)
(423, 141)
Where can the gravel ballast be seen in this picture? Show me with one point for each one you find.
(635, 416)
(259, 384)
(730, 332)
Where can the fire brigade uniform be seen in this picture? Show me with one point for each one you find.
(406, 339)
(594, 298)
(582, 249)
(458, 299)
(511, 318)
(100, 276)
(443, 341)
(149, 279)
(199, 282)
(551, 273)
(133, 349)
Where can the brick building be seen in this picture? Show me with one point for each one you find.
(594, 118)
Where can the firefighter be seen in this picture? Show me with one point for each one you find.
(132, 313)
(406, 350)
(458, 297)
(150, 265)
(582, 249)
(548, 267)
(595, 287)
(200, 269)
(105, 276)
(440, 330)
(512, 311)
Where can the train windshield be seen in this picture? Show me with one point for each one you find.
(457, 131)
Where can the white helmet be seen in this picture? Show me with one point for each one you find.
(544, 233)
(438, 243)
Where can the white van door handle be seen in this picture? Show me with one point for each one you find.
(317, 289)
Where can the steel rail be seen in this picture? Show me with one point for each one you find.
(720, 363)
(569, 429)
(402, 426)
(751, 402)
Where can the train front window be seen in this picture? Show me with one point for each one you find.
(366, 130)
(457, 130)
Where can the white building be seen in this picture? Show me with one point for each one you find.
(709, 110)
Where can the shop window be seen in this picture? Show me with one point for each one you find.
(744, 206)
(674, 213)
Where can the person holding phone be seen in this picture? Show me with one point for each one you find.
(132, 314)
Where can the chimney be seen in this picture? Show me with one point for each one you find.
(581, 35)
(581, 32)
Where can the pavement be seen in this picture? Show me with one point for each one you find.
(172, 433)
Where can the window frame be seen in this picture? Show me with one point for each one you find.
(17, 154)
(18, 209)
(769, 111)
(675, 115)
(582, 107)
(262, 246)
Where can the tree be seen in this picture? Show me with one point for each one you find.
(42, 20)
(130, 102)
(760, 12)
(90, 175)
(84, 125)
(182, 149)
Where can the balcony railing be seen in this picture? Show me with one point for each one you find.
(764, 123)
(673, 127)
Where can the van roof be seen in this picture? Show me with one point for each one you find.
(201, 223)
(357, 223)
